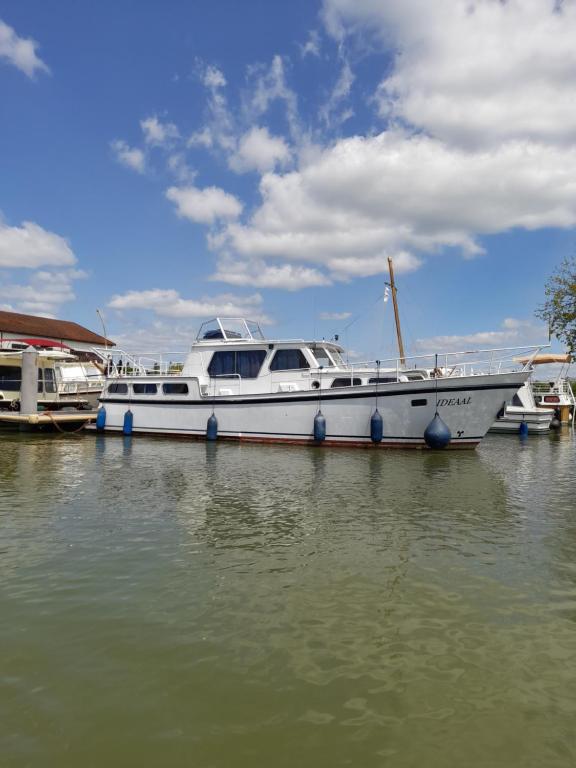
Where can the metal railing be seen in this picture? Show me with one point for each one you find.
(118, 362)
(558, 387)
(446, 364)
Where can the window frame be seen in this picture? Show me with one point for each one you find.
(185, 390)
(116, 390)
(351, 381)
(290, 350)
(235, 373)
(148, 388)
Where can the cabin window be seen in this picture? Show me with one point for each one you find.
(516, 401)
(289, 360)
(40, 381)
(175, 388)
(421, 402)
(145, 389)
(383, 380)
(10, 378)
(347, 382)
(233, 363)
(49, 380)
(322, 357)
(117, 389)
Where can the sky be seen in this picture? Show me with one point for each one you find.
(166, 162)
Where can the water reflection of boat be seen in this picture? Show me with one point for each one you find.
(274, 391)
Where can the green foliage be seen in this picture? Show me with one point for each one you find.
(559, 309)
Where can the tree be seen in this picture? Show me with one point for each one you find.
(559, 309)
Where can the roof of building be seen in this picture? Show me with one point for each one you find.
(13, 322)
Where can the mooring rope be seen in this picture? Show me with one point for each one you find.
(65, 431)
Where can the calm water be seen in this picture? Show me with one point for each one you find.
(221, 606)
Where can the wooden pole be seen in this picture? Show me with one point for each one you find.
(396, 315)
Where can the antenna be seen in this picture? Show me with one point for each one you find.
(104, 329)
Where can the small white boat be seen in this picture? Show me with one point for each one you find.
(556, 393)
(76, 378)
(79, 375)
(275, 390)
(49, 396)
(523, 409)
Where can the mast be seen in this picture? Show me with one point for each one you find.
(396, 315)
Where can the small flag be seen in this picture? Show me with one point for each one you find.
(386, 294)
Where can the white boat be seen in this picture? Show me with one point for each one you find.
(78, 374)
(523, 410)
(49, 395)
(76, 378)
(269, 390)
(556, 392)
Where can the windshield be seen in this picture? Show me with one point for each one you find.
(322, 357)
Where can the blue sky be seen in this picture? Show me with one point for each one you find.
(167, 161)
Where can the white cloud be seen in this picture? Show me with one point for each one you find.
(178, 166)
(333, 111)
(169, 303)
(512, 333)
(20, 51)
(269, 85)
(204, 205)
(202, 138)
(473, 72)
(262, 275)
(312, 46)
(131, 157)
(399, 194)
(45, 292)
(259, 151)
(31, 246)
(213, 78)
(158, 337)
(218, 130)
(335, 315)
(157, 133)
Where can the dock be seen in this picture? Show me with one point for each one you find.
(49, 418)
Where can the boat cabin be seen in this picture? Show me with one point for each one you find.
(231, 356)
(48, 378)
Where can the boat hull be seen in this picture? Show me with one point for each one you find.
(468, 405)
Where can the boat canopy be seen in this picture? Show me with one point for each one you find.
(230, 329)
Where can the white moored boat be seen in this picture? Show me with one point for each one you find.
(556, 394)
(265, 390)
(523, 410)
